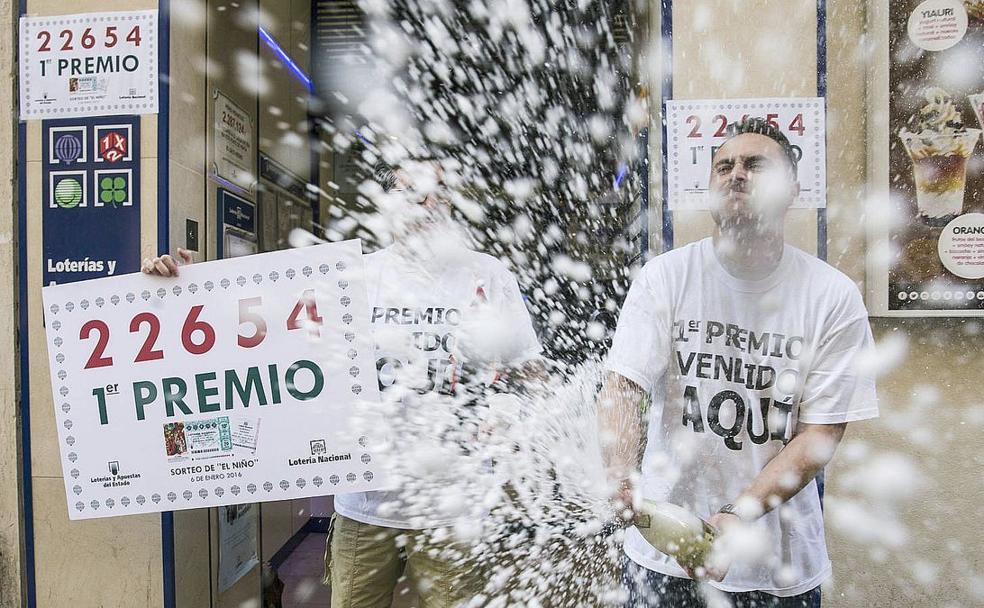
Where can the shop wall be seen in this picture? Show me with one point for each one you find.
(847, 179)
(125, 573)
(911, 543)
(210, 48)
(10, 512)
(186, 199)
(215, 47)
(777, 58)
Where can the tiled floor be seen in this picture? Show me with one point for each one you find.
(302, 571)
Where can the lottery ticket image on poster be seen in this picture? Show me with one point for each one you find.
(175, 441)
(936, 163)
(200, 439)
(211, 438)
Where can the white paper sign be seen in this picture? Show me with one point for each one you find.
(90, 64)
(238, 543)
(695, 128)
(235, 155)
(238, 381)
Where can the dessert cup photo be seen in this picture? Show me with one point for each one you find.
(939, 145)
(939, 168)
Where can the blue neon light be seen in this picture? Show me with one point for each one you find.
(622, 171)
(284, 57)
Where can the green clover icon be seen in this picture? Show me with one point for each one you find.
(113, 190)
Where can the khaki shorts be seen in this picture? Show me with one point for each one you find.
(363, 564)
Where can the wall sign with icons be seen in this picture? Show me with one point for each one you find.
(90, 197)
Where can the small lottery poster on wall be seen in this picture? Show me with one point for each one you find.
(695, 128)
(88, 64)
(936, 162)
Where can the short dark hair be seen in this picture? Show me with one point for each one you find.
(760, 126)
(383, 173)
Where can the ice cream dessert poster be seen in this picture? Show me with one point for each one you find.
(936, 160)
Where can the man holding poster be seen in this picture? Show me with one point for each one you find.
(751, 351)
(448, 323)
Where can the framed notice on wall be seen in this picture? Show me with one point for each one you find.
(239, 381)
(88, 64)
(235, 151)
(928, 253)
(238, 543)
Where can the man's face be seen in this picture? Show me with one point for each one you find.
(420, 197)
(751, 182)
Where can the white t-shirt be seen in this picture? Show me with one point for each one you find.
(732, 365)
(417, 307)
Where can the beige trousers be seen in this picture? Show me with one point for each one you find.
(363, 564)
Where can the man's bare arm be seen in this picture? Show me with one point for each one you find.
(620, 424)
(530, 375)
(810, 449)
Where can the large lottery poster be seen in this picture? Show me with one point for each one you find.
(936, 162)
(239, 381)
